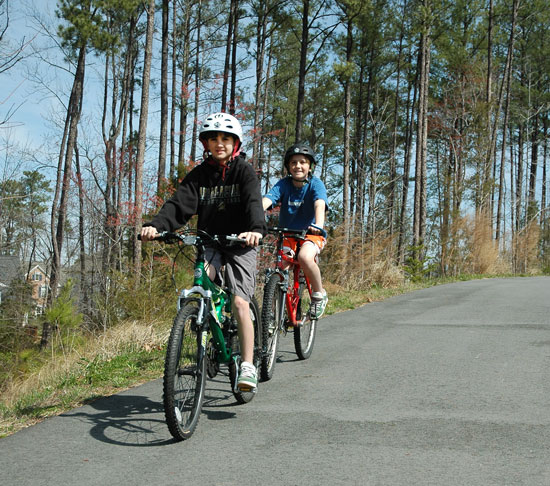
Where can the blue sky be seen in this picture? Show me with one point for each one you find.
(27, 123)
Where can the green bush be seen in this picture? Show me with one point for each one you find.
(417, 266)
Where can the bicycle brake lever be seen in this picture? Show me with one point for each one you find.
(234, 239)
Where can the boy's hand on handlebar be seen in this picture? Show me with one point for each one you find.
(252, 238)
(316, 229)
(148, 233)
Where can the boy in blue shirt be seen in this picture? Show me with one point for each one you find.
(303, 200)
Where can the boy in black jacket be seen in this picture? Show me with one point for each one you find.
(224, 192)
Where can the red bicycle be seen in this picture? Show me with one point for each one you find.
(286, 301)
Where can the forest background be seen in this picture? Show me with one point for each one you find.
(429, 118)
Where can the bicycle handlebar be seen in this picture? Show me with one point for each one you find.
(187, 239)
(298, 233)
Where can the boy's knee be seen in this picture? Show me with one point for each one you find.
(240, 303)
(306, 257)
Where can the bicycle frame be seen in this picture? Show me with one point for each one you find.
(292, 296)
(203, 335)
(212, 299)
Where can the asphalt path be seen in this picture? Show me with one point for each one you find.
(443, 386)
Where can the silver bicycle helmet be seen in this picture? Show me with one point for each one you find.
(300, 149)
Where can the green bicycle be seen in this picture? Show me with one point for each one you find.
(203, 336)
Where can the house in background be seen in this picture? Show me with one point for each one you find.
(40, 282)
(10, 269)
(38, 279)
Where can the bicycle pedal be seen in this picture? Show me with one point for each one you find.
(247, 389)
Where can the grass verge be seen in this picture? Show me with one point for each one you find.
(128, 355)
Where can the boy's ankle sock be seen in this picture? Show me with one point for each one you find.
(318, 295)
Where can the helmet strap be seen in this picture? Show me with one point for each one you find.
(236, 148)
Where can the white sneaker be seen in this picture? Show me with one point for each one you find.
(318, 304)
(248, 378)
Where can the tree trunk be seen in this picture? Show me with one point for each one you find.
(197, 83)
(84, 299)
(519, 178)
(233, 96)
(173, 99)
(543, 215)
(161, 174)
(59, 212)
(228, 42)
(261, 156)
(260, 81)
(143, 114)
(409, 110)
(185, 81)
(347, 141)
(508, 74)
(302, 77)
(420, 192)
(393, 155)
(359, 155)
(531, 202)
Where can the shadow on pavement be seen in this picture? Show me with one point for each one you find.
(129, 420)
(138, 421)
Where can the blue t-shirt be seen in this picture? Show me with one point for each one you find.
(297, 211)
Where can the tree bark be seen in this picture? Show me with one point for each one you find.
(173, 98)
(143, 114)
(420, 190)
(185, 81)
(410, 108)
(233, 95)
(302, 72)
(347, 141)
(161, 174)
(228, 43)
(59, 211)
(197, 83)
(508, 74)
(261, 82)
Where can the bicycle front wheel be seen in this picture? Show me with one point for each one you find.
(272, 314)
(304, 334)
(184, 374)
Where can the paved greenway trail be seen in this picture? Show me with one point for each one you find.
(443, 386)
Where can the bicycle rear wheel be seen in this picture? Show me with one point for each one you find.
(304, 334)
(272, 313)
(234, 365)
(184, 374)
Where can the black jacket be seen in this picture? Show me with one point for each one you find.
(227, 202)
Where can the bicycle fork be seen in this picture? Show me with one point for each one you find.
(282, 302)
(202, 330)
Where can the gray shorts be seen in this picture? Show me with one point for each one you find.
(240, 268)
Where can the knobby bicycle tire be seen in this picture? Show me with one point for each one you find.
(304, 335)
(246, 396)
(272, 308)
(184, 374)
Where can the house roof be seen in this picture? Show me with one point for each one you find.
(38, 266)
(10, 268)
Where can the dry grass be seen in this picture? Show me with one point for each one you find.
(360, 265)
(126, 337)
(483, 253)
(526, 250)
(472, 249)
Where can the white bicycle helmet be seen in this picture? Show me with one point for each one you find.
(221, 122)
